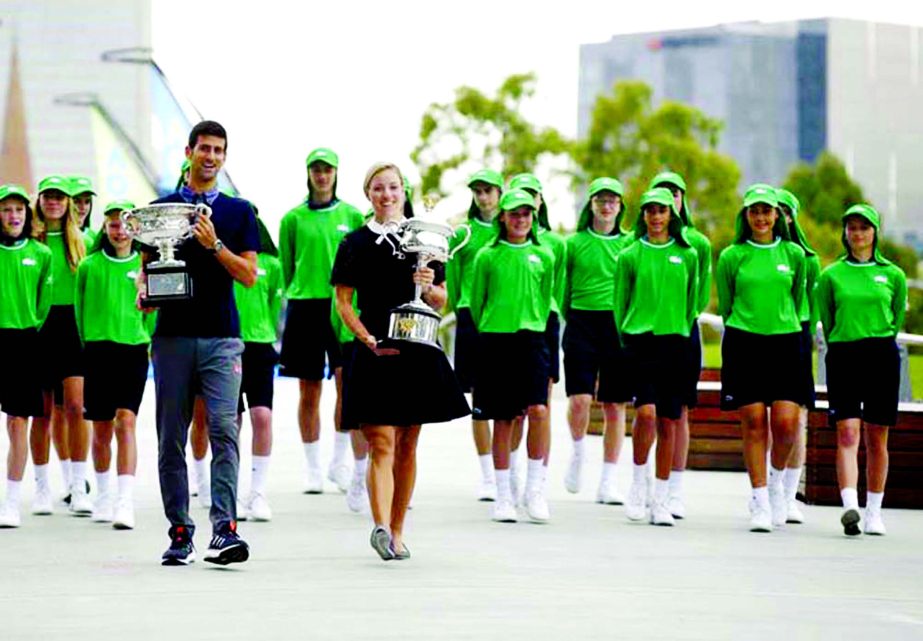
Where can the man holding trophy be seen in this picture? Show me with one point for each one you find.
(197, 345)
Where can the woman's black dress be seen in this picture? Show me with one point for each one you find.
(414, 387)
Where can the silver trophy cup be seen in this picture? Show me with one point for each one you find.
(416, 321)
(164, 226)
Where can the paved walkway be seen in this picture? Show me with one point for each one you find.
(589, 574)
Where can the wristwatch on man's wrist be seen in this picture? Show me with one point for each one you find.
(217, 247)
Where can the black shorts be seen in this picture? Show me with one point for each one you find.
(61, 350)
(592, 355)
(863, 380)
(310, 350)
(553, 346)
(693, 367)
(761, 368)
(20, 384)
(512, 374)
(115, 378)
(259, 369)
(807, 363)
(658, 372)
(466, 348)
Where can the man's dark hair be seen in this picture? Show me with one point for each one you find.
(208, 128)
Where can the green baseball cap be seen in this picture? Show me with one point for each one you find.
(81, 185)
(526, 181)
(668, 178)
(761, 193)
(516, 198)
(14, 191)
(785, 197)
(118, 205)
(55, 182)
(324, 155)
(488, 176)
(864, 211)
(659, 196)
(605, 184)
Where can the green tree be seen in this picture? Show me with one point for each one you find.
(630, 139)
(488, 130)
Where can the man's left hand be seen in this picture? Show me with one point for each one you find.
(204, 231)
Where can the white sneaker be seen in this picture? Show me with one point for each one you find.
(103, 509)
(660, 515)
(259, 508)
(778, 504)
(243, 510)
(504, 511)
(313, 481)
(676, 506)
(41, 502)
(81, 505)
(794, 513)
(9, 515)
(608, 493)
(874, 525)
(634, 506)
(124, 515)
(357, 496)
(573, 480)
(340, 475)
(487, 490)
(537, 507)
(760, 518)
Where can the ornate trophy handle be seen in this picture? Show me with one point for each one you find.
(467, 229)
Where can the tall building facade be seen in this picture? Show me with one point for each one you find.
(787, 91)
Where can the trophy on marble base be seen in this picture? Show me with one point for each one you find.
(164, 226)
(416, 321)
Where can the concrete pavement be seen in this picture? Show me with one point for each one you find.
(588, 574)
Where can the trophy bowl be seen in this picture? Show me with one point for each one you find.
(416, 321)
(164, 226)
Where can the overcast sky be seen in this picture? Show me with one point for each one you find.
(356, 76)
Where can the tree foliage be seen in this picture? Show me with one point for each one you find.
(489, 130)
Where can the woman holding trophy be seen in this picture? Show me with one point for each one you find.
(375, 396)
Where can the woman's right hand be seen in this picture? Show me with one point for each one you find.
(370, 341)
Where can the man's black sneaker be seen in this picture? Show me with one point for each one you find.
(226, 547)
(181, 550)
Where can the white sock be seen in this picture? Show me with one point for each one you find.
(41, 475)
(873, 500)
(579, 448)
(535, 475)
(361, 467)
(259, 469)
(676, 482)
(775, 477)
(850, 498)
(78, 476)
(102, 482)
(761, 496)
(504, 492)
(126, 486)
(790, 480)
(312, 454)
(66, 473)
(608, 471)
(514, 461)
(200, 466)
(12, 492)
(661, 490)
(340, 443)
(639, 473)
(487, 466)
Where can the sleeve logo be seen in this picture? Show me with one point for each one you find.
(783, 268)
(28, 261)
(676, 260)
(260, 271)
(132, 274)
(878, 279)
(343, 228)
(534, 259)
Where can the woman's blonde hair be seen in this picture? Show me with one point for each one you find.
(376, 169)
(74, 245)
